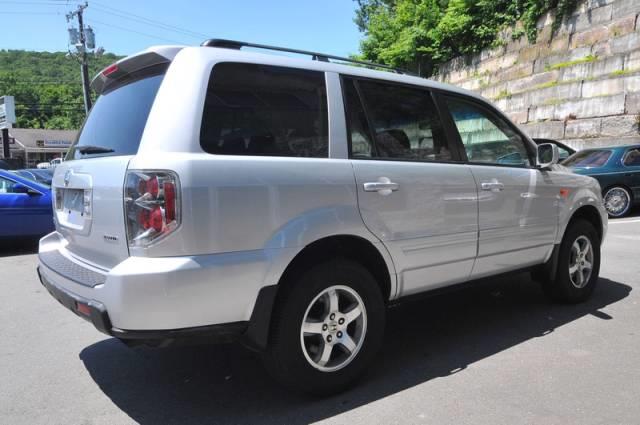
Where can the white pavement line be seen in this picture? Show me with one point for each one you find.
(635, 220)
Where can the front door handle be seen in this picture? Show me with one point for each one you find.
(383, 186)
(493, 185)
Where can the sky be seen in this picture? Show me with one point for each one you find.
(124, 27)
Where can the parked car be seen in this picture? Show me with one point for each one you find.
(25, 207)
(287, 202)
(618, 171)
(42, 176)
(564, 151)
(51, 164)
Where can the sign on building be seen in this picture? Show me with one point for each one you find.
(7, 112)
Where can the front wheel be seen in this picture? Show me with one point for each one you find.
(617, 201)
(578, 264)
(327, 327)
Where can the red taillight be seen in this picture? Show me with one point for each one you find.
(170, 201)
(151, 205)
(110, 70)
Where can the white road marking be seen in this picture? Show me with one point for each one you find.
(633, 220)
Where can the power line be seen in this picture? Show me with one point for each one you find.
(93, 21)
(29, 13)
(151, 22)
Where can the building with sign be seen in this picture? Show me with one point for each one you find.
(32, 146)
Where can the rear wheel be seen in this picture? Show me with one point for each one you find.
(617, 201)
(327, 328)
(578, 264)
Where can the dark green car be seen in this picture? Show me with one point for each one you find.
(618, 171)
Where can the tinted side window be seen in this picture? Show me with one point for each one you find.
(6, 185)
(632, 158)
(486, 137)
(360, 142)
(405, 122)
(265, 110)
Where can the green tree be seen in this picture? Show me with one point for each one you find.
(420, 34)
(46, 86)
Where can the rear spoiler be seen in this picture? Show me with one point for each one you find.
(150, 57)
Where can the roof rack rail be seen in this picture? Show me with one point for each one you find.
(323, 57)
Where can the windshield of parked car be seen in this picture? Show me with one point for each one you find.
(589, 158)
(118, 118)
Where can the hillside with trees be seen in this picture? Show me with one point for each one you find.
(47, 87)
(420, 34)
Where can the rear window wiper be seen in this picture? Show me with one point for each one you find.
(93, 149)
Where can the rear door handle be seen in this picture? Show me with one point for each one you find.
(493, 185)
(383, 186)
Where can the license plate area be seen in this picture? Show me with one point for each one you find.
(73, 208)
(73, 201)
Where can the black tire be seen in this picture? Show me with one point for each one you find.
(285, 357)
(626, 197)
(564, 287)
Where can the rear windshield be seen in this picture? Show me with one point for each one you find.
(118, 118)
(591, 158)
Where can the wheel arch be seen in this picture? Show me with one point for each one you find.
(592, 215)
(371, 255)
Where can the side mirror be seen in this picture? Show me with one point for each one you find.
(20, 188)
(547, 155)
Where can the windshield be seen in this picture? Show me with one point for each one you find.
(590, 158)
(118, 118)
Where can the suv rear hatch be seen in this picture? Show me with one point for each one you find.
(88, 186)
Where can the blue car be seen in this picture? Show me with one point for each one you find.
(25, 207)
(617, 168)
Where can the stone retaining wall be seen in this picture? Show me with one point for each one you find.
(580, 85)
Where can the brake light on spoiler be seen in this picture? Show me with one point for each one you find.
(151, 204)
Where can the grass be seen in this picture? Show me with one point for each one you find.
(560, 65)
(545, 85)
(504, 94)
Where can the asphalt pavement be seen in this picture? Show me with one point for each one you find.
(495, 354)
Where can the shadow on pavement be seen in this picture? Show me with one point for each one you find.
(10, 247)
(425, 339)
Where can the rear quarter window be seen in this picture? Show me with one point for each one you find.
(265, 110)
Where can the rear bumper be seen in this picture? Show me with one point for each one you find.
(160, 298)
(96, 313)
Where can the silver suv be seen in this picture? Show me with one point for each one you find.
(216, 193)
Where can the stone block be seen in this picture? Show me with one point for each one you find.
(542, 64)
(626, 43)
(589, 37)
(592, 4)
(517, 102)
(622, 26)
(589, 108)
(625, 7)
(519, 117)
(575, 129)
(541, 113)
(554, 94)
(582, 21)
(632, 83)
(530, 82)
(528, 54)
(516, 71)
(632, 103)
(545, 130)
(632, 61)
(602, 87)
(592, 69)
(601, 49)
(624, 125)
(602, 142)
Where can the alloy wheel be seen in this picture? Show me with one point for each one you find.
(333, 328)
